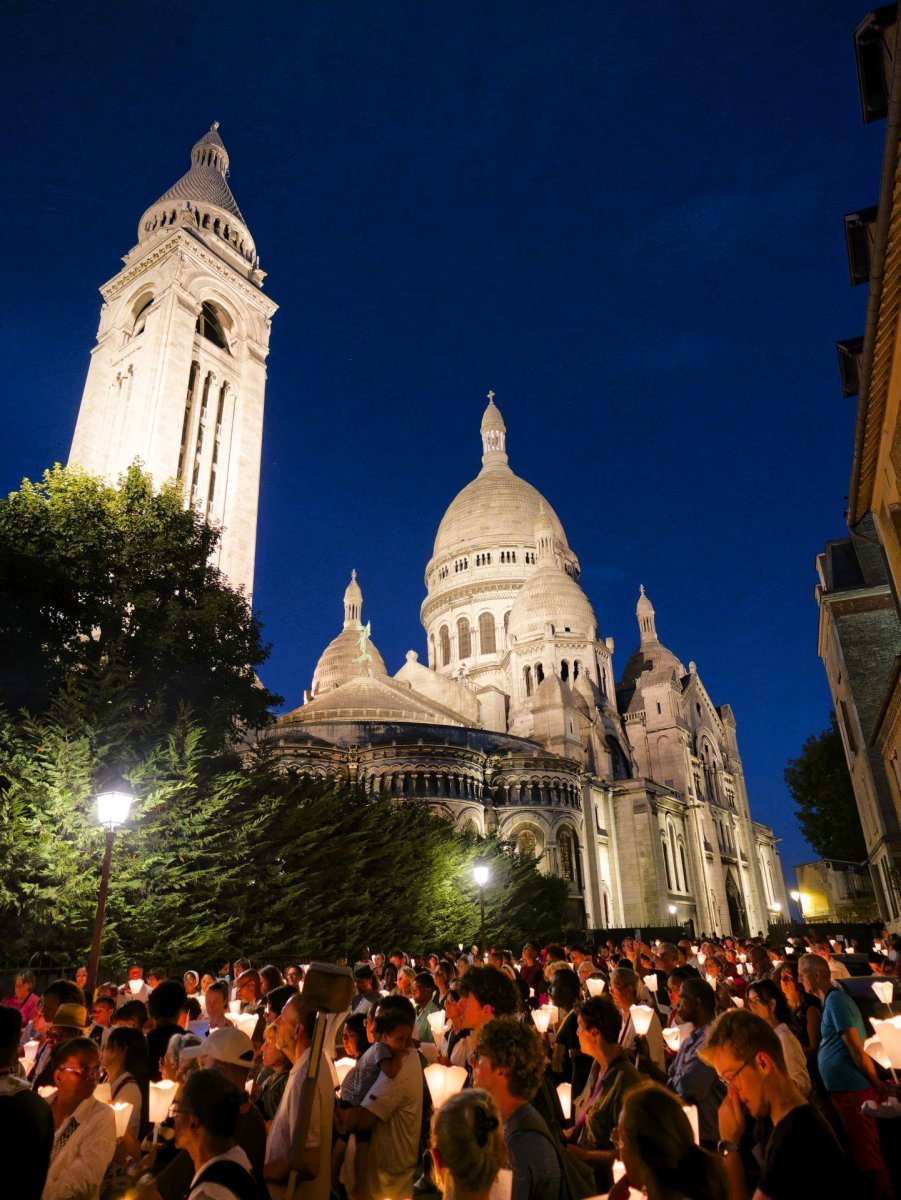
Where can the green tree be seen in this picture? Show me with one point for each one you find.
(820, 785)
(114, 585)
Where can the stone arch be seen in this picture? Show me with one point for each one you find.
(487, 634)
(444, 643)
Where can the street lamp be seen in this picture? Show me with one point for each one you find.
(114, 797)
(480, 875)
(672, 910)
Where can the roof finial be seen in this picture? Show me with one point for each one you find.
(494, 434)
(491, 397)
(215, 125)
(641, 588)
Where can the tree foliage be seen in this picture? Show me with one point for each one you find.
(820, 784)
(113, 586)
(222, 856)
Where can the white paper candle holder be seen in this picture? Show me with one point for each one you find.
(122, 1112)
(595, 986)
(885, 990)
(641, 1018)
(161, 1096)
(246, 1022)
(342, 1068)
(565, 1092)
(651, 982)
(444, 1081)
(437, 1022)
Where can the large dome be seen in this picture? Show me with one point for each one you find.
(351, 653)
(497, 508)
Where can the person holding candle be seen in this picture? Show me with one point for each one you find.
(206, 1117)
(424, 1004)
(124, 1058)
(802, 1155)
(848, 1073)
(656, 1144)
(164, 1006)
(508, 1064)
(624, 985)
(85, 1130)
(612, 1075)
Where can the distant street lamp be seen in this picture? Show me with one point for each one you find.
(672, 910)
(114, 797)
(480, 875)
(796, 896)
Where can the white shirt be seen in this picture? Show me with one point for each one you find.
(394, 1149)
(77, 1171)
(218, 1191)
(281, 1132)
(795, 1059)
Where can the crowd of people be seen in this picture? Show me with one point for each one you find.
(713, 1071)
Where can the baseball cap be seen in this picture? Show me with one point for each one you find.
(224, 1045)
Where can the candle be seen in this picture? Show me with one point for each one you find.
(161, 1096)
(437, 1022)
(102, 1093)
(47, 1092)
(135, 986)
(542, 1019)
(595, 986)
(738, 1002)
(641, 1018)
(234, 1006)
(565, 1092)
(885, 990)
(619, 1170)
(702, 958)
(246, 1022)
(122, 1112)
(444, 1081)
(342, 1067)
(889, 1034)
(876, 1051)
(651, 982)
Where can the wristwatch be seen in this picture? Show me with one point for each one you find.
(725, 1148)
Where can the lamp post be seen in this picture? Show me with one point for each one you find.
(480, 875)
(796, 896)
(114, 797)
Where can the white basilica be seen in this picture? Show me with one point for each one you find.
(632, 791)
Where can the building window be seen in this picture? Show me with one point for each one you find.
(464, 639)
(444, 642)
(527, 678)
(487, 636)
(209, 326)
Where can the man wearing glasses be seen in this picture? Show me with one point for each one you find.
(801, 1156)
(84, 1139)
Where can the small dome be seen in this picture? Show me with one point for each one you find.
(351, 653)
(550, 597)
(491, 418)
(651, 657)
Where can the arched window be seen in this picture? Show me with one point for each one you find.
(432, 662)
(539, 673)
(444, 641)
(464, 639)
(666, 861)
(487, 636)
(141, 317)
(526, 844)
(506, 625)
(564, 670)
(209, 326)
(527, 678)
(682, 863)
(565, 850)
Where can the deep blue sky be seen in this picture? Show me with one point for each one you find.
(626, 221)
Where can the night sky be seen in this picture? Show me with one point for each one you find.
(625, 220)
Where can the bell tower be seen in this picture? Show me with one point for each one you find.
(178, 375)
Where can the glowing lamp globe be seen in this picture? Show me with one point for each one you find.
(444, 1082)
(114, 799)
(641, 1018)
(480, 874)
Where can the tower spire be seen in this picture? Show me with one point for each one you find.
(353, 603)
(494, 434)
(644, 610)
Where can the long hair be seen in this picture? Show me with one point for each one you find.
(658, 1132)
(468, 1135)
(137, 1063)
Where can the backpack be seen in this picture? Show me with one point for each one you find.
(577, 1180)
(235, 1177)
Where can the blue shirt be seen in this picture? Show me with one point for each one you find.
(837, 1069)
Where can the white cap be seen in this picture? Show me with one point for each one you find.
(224, 1045)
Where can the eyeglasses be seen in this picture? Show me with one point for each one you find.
(732, 1078)
(84, 1072)
(179, 1110)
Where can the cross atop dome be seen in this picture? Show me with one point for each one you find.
(494, 434)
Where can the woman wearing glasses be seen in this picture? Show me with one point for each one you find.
(84, 1129)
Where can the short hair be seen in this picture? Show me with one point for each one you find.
(364, 971)
(159, 973)
(680, 974)
(132, 1010)
(191, 1006)
(491, 988)
(601, 1013)
(63, 1051)
(467, 1133)
(214, 1101)
(397, 954)
(393, 1012)
(104, 1002)
(241, 964)
(702, 992)
(815, 966)
(28, 977)
(667, 950)
(515, 1048)
(566, 986)
(166, 1000)
(66, 992)
(279, 997)
(219, 986)
(625, 977)
(425, 980)
(745, 1035)
(10, 1032)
